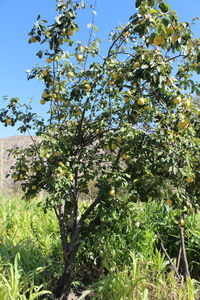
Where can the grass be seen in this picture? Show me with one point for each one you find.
(29, 249)
(143, 279)
(118, 264)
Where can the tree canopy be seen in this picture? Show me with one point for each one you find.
(125, 120)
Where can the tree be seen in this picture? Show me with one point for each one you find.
(125, 120)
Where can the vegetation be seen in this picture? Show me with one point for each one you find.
(118, 264)
(125, 121)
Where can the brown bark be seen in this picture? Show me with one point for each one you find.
(70, 249)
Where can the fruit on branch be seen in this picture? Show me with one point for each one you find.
(158, 40)
(141, 101)
(80, 58)
(112, 192)
(42, 101)
(49, 60)
(184, 124)
(177, 100)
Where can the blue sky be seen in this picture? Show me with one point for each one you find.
(16, 55)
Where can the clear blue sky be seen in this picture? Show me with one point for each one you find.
(16, 55)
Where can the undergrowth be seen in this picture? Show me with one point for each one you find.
(120, 257)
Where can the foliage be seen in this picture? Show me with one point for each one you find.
(29, 240)
(135, 228)
(110, 260)
(16, 285)
(125, 120)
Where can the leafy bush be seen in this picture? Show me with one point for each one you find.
(126, 227)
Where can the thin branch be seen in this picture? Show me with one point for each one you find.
(184, 255)
(174, 57)
(114, 42)
(179, 258)
(170, 260)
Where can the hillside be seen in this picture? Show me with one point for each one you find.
(7, 161)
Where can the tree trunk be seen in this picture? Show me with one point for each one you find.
(70, 249)
(64, 284)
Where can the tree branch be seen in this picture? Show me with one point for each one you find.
(169, 258)
(184, 256)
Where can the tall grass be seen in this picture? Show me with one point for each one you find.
(143, 279)
(16, 284)
(122, 258)
(29, 250)
(119, 259)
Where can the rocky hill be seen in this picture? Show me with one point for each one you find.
(7, 161)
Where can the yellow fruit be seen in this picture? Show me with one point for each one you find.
(181, 222)
(115, 75)
(70, 32)
(57, 153)
(112, 192)
(189, 179)
(33, 39)
(70, 74)
(183, 124)
(47, 155)
(34, 187)
(87, 87)
(80, 57)
(158, 40)
(70, 177)
(54, 96)
(44, 73)
(42, 101)
(187, 102)
(8, 121)
(136, 65)
(38, 168)
(125, 156)
(169, 202)
(48, 60)
(111, 83)
(141, 101)
(56, 58)
(177, 100)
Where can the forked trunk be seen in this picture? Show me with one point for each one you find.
(69, 251)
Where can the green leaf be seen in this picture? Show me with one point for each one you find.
(138, 3)
(165, 22)
(164, 7)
